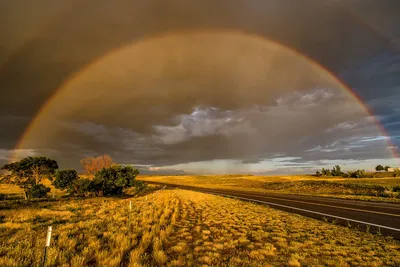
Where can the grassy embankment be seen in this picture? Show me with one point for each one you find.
(374, 189)
(180, 228)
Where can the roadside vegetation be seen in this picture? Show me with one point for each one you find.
(180, 228)
(32, 175)
(371, 189)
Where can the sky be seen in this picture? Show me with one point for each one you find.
(175, 87)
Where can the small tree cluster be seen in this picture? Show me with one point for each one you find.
(28, 174)
(112, 180)
(95, 164)
(379, 168)
(336, 171)
(107, 181)
(357, 174)
(325, 172)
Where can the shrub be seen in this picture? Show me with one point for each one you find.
(82, 187)
(359, 174)
(3, 196)
(326, 172)
(379, 168)
(396, 173)
(38, 191)
(396, 188)
(65, 178)
(336, 171)
(112, 180)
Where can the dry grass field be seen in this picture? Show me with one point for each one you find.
(15, 192)
(372, 189)
(180, 228)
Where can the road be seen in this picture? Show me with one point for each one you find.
(370, 216)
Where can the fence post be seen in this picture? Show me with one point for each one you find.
(48, 239)
(129, 222)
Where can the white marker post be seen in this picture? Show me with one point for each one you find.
(129, 215)
(129, 221)
(48, 239)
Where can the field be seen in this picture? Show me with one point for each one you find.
(373, 189)
(180, 228)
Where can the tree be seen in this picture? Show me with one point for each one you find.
(326, 172)
(82, 187)
(387, 168)
(318, 174)
(379, 168)
(29, 172)
(112, 180)
(93, 165)
(65, 178)
(336, 171)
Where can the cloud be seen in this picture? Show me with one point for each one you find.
(192, 96)
(7, 154)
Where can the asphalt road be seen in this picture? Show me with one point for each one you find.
(370, 216)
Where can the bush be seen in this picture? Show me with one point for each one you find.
(326, 172)
(396, 189)
(65, 178)
(359, 174)
(82, 187)
(37, 191)
(336, 171)
(3, 196)
(396, 173)
(112, 180)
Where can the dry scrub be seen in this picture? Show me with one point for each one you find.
(182, 228)
(349, 188)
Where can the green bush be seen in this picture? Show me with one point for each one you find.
(359, 174)
(112, 180)
(326, 172)
(3, 196)
(65, 178)
(82, 187)
(336, 171)
(37, 191)
(396, 188)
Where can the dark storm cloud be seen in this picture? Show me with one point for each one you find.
(45, 42)
(295, 126)
(377, 81)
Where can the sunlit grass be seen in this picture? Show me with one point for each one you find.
(299, 184)
(182, 228)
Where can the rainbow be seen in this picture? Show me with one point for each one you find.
(75, 76)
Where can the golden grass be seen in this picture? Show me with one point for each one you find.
(15, 191)
(223, 181)
(182, 228)
(258, 184)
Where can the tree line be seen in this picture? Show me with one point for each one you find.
(105, 177)
(336, 171)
